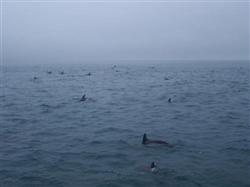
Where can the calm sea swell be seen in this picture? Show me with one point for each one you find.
(49, 138)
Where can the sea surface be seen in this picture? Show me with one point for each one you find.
(48, 137)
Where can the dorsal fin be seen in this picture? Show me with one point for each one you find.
(144, 139)
(152, 165)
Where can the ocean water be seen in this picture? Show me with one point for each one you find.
(49, 138)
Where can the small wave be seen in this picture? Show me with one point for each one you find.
(9, 105)
(47, 106)
(190, 105)
(91, 100)
(88, 99)
(239, 150)
(119, 144)
(181, 178)
(38, 180)
(155, 86)
(244, 140)
(96, 142)
(113, 129)
(18, 120)
(43, 91)
(111, 156)
(187, 179)
(2, 97)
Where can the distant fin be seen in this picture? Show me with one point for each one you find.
(83, 97)
(144, 139)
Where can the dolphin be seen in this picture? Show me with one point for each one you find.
(153, 167)
(83, 98)
(146, 141)
(166, 78)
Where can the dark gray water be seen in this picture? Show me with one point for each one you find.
(49, 138)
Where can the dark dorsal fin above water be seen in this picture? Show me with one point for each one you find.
(152, 165)
(144, 139)
(83, 98)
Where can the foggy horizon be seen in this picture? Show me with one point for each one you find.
(78, 32)
(124, 93)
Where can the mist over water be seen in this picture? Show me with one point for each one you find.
(130, 59)
(49, 138)
(44, 32)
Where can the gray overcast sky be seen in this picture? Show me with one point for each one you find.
(79, 32)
